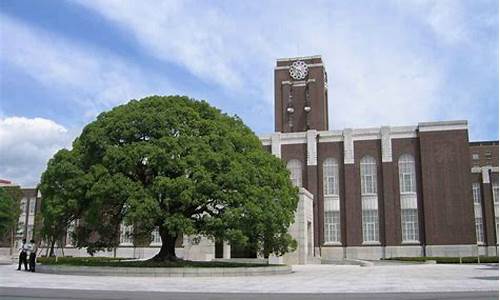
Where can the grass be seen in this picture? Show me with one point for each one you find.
(449, 260)
(125, 262)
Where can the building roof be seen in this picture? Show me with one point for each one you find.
(484, 143)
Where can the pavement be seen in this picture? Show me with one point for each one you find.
(307, 279)
(52, 294)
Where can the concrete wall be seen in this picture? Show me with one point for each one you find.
(204, 250)
(301, 232)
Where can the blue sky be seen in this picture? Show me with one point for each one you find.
(389, 63)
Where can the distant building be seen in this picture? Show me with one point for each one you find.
(30, 205)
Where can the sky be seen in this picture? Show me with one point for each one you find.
(389, 63)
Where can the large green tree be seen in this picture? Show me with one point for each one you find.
(10, 198)
(62, 186)
(184, 167)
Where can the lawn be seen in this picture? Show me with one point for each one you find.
(127, 262)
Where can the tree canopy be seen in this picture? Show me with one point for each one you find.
(176, 164)
(9, 209)
(63, 187)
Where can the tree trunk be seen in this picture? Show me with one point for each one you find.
(167, 250)
(52, 244)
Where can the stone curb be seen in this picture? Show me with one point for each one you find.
(162, 272)
(347, 262)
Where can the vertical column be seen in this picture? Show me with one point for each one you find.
(488, 208)
(352, 225)
(226, 250)
(388, 209)
(276, 144)
(312, 181)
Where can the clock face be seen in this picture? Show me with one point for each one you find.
(298, 70)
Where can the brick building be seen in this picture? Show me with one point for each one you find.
(420, 190)
(384, 192)
(30, 206)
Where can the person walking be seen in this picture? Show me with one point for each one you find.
(23, 253)
(32, 255)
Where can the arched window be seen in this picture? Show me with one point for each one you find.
(295, 168)
(331, 201)
(368, 169)
(408, 198)
(407, 174)
(330, 177)
(369, 199)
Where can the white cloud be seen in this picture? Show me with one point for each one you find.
(88, 76)
(26, 145)
(380, 76)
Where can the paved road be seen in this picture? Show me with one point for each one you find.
(45, 294)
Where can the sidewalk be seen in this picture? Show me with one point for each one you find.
(305, 279)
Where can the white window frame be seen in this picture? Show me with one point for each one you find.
(69, 231)
(332, 233)
(371, 226)
(369, 200)
(126, 235)
(494, 188)
(32, 206)
(368, 174)
(155, 237)
(407, 174)
(478, 213)
(23, 205)
(408, 199)
(409, 225)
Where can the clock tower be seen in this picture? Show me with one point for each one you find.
(300, 94)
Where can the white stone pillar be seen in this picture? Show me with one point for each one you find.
(276, 144)
(348, 146)
(312, 147)
(226, 250)
(485, 172)
(385, 133)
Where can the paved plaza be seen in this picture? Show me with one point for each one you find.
(424, 278)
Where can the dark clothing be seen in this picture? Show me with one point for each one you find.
(32, 261)
(23, 260)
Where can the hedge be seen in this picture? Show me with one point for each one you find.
(449, 260)
(128, 262)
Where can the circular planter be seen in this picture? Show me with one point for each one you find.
(162, 272)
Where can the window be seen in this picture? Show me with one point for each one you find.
(331, 201)
(495, 204)
(330, 177)
(20, 229)
(32, 206)
(407, 180)
(478, 213)
(295, 168)
(69, 232)
(487, 155)
(332, 226)
(369, 199)
(475, 156)
(29, 233)
(370, 225)
(23, 205)
(155, 237)
(126, 234)
(368, 169)
(408, 198)
(409, 225)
